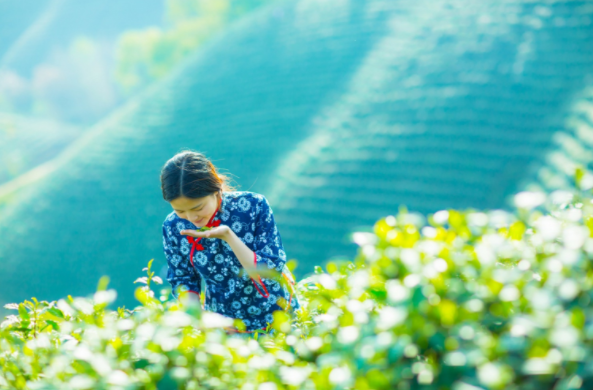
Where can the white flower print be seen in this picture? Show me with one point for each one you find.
(244, 204)
(175, 259)
(269, 318)
(225, 215)
(236, 227)
(271, 264)
(235, 269)
(245, 300)
(179, 272)
(236, 305)
(254, 310)
(282, 254)
(248, 238)
(180, 226)
(248, 290)
(275, 286)
(200, 258)
(219, 258)
(184, 249)
(218, 277)
(171, 217)
(266, 250)
(246, 322)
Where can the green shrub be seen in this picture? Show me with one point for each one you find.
(461, 300)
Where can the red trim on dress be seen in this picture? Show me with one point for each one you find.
(194, 241)
(260, 281)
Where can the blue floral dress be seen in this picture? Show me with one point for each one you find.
(228, 291)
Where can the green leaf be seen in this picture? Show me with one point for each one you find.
(103, 282)
(56, 312)
(23, 312)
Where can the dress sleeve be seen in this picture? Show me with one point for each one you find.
(268, 249)
(181, 276)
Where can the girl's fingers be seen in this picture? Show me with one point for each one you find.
(198, 234)
(193, 233)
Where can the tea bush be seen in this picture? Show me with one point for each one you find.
(461, 300)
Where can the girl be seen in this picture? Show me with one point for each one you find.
(242, 241)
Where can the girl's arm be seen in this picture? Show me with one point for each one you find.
(244, 254)
(266, 236)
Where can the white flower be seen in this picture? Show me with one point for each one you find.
(201, 258)
(253, 310)
(244, 204)
(175, 259)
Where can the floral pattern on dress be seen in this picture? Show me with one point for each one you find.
(228, 291)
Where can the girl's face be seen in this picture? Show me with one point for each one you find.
(196, 210)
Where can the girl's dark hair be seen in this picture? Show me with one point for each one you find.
(192, 175)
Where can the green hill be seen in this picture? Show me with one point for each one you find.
(244, 100)
(457, 106)
(26, 143)
(337, 111)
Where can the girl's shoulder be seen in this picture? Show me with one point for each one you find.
(246, 204)
(235, 196)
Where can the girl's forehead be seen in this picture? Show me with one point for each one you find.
(183, 203)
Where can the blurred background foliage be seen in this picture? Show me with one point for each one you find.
(64, 65)
(147, 55)
(338, 111)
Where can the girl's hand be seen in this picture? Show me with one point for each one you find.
(223, 232)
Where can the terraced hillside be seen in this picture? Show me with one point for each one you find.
(25, 143)
(338, 111)
(245, 100)
(457, 106)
